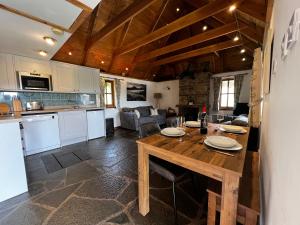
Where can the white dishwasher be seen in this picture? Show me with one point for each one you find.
(96, 123)
(40, 133)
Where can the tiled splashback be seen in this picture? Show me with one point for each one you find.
(49, 99)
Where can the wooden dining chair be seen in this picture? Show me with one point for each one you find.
(165, 169)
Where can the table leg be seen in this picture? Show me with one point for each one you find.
(230, 191)
(143, 170)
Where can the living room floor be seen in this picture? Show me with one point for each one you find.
(101, 190)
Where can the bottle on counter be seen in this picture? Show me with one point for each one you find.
(203, 120)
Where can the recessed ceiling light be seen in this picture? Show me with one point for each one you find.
(57, 31)
(154, 75)
(244, 59)
(43, 53)
(50, 40)
(243, 51)
(126, 68)
(232, 8)
(236, 38)
(204, 28)
(69, 53)
(102, 62)
(177, 9)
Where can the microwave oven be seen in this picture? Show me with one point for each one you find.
(37, 82)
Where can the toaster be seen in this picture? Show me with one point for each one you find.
(34, 106)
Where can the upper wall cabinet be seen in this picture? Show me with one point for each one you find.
(7, 75)
(65, 77)
(87, 80)
(32, 65)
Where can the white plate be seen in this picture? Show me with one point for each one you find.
(243, 131)
(182, 133)
(234, 148)
(232, 128)
(192, 124)
(221, 141)
(172, 130)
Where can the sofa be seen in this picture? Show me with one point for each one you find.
(130, 120)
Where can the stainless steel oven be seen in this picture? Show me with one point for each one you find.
(30, 81)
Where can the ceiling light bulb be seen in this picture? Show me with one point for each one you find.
(43, 53)
(154, 75)
(244, 59)
(69, 53)
(243, 51)
(50, 40)
(204, 28)
(177, 9)
(126, 68)
(236, 38)
(102, 62)
(232, 8)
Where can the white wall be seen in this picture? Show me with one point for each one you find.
(245, 89)
(280, 149)
(170, 98)
(170, 94)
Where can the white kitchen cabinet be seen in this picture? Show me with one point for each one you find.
(66, 77)
(30, 65)
(12, 166)
(8, 79)
(96, 123)
(96, 80)
(85, 79)
(72, 127)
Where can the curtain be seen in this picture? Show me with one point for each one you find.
(255, 90)
(238, 81)
(102, 89)
(118, 91)
(217, 85)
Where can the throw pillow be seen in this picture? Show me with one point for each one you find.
(137, 113)
(240, 121)
(154, 112)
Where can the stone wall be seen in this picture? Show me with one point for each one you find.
(196, 90)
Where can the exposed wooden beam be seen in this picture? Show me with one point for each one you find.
(119, 43)
(198, 52)
(187, 20)
(34, 18)
(253, 10)
(89, 34)
(154, 26)
(196, 39)
(80, 5)
(126, 15)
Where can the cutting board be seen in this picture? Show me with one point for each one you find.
(17, 105)
(4, 108)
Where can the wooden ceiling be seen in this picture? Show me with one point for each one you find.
(159, 39)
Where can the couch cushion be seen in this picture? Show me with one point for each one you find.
(160, 119)
(240, 121)
(144, 110)
(146, 119)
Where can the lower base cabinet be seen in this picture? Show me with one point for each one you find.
(72, 127)
(96, 124)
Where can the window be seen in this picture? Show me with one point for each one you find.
(227, 94)
(109, 94)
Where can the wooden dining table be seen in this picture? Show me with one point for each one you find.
(191, 153)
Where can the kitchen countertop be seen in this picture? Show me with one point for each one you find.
(56, 110)
(18, 118)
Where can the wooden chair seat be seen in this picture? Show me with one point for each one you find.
(249, 200)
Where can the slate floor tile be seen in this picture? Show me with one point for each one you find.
(77, 211)
(120, 219)
(129, 194)
(56, 197)
(105, 186)
(79, 172)
(27, 214)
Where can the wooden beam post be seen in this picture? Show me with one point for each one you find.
(185, 21)
(120, 20)
(198, 52)
(202, 37)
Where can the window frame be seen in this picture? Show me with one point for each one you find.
(228, 93)
(112, 94)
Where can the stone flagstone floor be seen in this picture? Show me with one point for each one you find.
(99, 191)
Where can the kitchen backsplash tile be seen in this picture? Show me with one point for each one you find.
(49, 99)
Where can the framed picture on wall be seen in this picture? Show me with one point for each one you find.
(136, 92)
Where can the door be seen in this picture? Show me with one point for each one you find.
(96, 122)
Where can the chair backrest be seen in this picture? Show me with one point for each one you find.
(148, 129)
